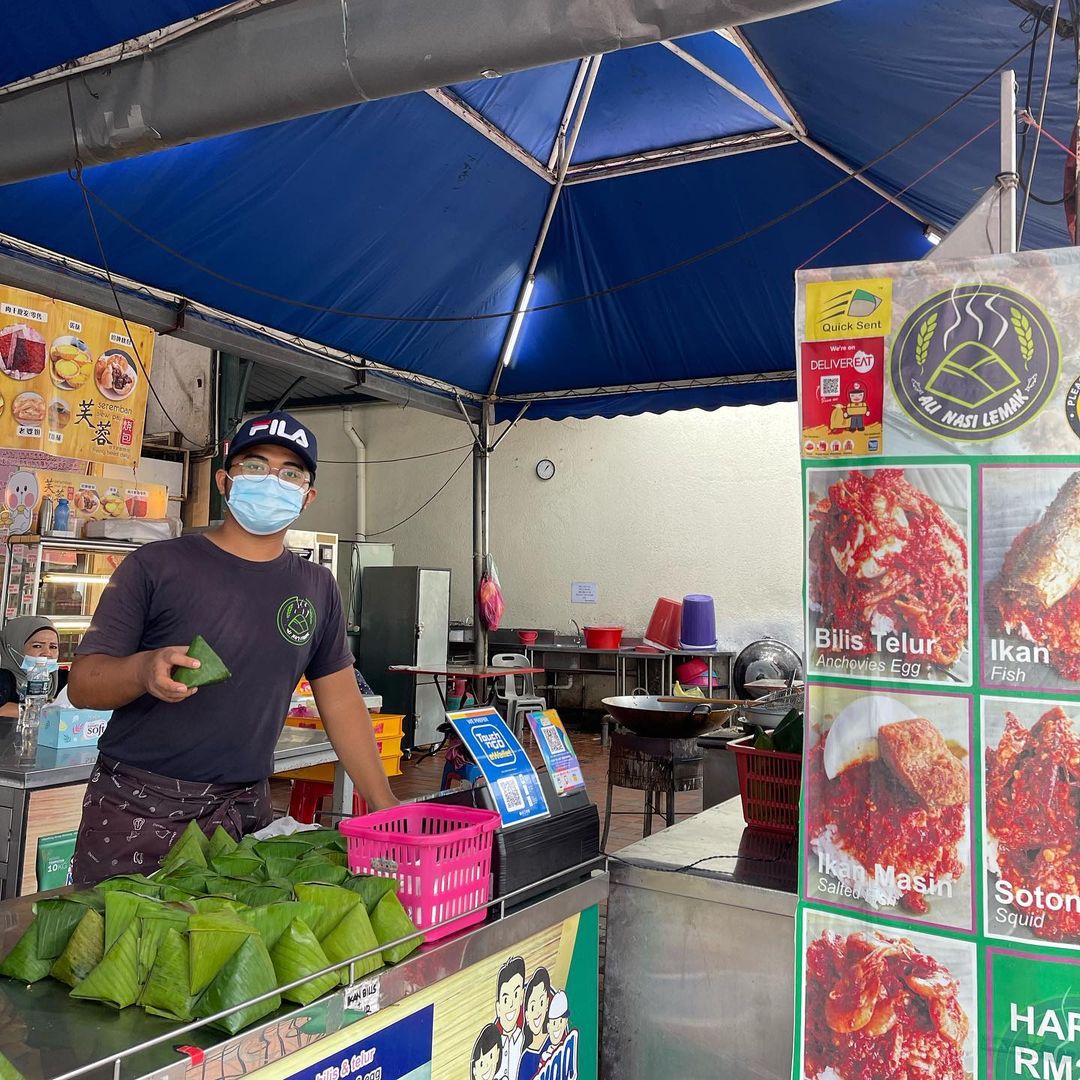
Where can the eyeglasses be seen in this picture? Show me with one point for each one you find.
(260, 470)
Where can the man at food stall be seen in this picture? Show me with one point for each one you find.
(172, 754)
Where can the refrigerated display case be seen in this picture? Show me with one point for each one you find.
(61, 579)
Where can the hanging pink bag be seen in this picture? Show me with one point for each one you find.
(490, 597)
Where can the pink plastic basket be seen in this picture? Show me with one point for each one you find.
(440, 855)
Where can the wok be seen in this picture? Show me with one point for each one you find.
(652, 718)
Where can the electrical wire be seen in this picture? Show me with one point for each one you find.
(1074, 11)
(918, 180)
(442, 487)
(785, 855)
(394, 460)
(1042, 116)
(76, 174)
(585, 297)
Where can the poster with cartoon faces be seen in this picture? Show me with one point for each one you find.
(20, 498)
(531, 1037)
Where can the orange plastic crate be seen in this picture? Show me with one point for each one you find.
(770, 785)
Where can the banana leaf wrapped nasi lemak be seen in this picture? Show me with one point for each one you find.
(297, 953)
(166, 991)
(391, 921)
(83, 952)
(115, 980)
(341, 926)
(47, 936)
(248, 973)
(212, 668)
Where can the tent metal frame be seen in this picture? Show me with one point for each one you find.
(81, 283)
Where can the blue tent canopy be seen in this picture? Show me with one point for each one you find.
(340, 235)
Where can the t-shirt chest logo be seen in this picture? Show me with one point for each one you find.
(296, 619)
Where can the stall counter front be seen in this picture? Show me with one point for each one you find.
(449, 1007)
(45, 795)
(699, 975)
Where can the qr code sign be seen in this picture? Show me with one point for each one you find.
(554, 742)
(830, 386)
(511, 793)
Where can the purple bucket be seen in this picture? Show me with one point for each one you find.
(698, 622)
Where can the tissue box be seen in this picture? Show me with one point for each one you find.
(62, 728)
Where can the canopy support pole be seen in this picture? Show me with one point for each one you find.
(481, 507)
(1007, 177)
(566, 140)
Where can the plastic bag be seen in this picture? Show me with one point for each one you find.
(490, 597)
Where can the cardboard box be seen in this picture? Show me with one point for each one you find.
(63, 728)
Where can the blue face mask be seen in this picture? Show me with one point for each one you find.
(264, 506)
(29, 662)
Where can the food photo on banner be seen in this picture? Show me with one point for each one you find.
(889, 573)
(1031, 820)
(880, 1002)
(73, 382)
(904, 760)
(1030, 570)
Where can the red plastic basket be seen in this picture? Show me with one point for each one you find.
(770, 784)
(440, 855)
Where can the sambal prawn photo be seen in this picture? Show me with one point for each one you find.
(878, 1007)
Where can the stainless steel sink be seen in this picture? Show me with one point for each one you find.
(550, 654)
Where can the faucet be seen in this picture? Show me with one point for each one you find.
(577, 637)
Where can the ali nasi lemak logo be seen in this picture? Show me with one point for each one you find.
(296, 620)
(975, 363)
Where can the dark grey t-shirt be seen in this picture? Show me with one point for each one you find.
(271, 623)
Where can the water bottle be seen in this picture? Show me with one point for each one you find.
(35, 698)
(62, 516)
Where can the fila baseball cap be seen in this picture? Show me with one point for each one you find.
(276, 429)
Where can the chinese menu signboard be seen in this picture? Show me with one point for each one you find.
(939, 923)
(72, 382)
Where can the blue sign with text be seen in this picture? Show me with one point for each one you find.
(511, 778)
(401, 1051)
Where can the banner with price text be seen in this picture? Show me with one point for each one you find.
(73, 383)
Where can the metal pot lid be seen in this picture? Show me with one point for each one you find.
(765, 659)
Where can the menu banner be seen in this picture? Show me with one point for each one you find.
(101, 498)
(939, 924)
(73, 382)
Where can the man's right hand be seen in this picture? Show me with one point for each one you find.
(157, 673)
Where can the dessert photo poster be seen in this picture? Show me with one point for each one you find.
(939, 922)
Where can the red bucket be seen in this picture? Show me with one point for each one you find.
(664, 626)
(603, 637)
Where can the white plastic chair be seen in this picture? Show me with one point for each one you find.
(516, 703)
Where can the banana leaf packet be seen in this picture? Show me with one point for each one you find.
(211, 671)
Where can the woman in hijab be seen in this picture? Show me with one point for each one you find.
(26, 636)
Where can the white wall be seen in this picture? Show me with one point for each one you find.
(642, 506)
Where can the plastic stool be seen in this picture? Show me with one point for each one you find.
(468, 774)
(307, 796)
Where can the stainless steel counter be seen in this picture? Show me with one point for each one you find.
(47, 1035)
(297, 748)
(699, 977)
